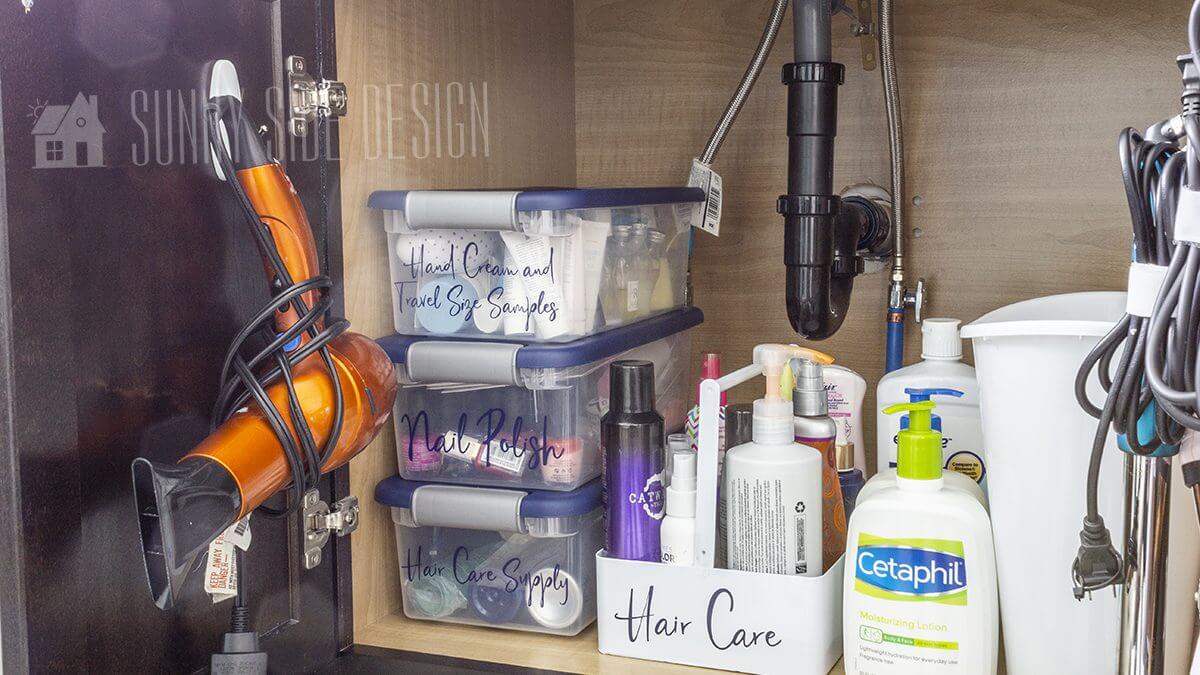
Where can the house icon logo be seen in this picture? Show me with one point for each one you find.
(66, 136)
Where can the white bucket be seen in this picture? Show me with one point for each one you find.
(1037, 443)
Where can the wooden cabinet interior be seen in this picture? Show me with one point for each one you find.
(1011, 112)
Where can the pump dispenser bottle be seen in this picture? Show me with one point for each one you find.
(773, 486)
(954, 480)
(941, 367)
(815, 428)
(919, 593)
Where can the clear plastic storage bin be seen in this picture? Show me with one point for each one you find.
(521, 560)
(525, 415)
(540, 265)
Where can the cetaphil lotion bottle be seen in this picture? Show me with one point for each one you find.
(919, 593)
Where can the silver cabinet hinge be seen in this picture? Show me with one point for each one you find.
(321, 520)
(309, 99)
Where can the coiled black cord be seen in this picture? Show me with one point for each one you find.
(1147, 169)
(246, 378)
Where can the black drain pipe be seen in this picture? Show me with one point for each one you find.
(819, 246)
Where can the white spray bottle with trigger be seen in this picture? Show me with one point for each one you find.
(772, 485)
(919, 593)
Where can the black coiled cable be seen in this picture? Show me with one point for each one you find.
(1155, 357)
(245, 378)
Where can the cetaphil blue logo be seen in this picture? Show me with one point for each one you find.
(911, 570)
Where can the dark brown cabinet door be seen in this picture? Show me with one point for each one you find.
(124, 273)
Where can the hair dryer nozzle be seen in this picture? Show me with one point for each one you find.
(181, 509)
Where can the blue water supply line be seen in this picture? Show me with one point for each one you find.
(895, 339)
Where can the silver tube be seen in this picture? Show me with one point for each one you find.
(757, 61)
(891, 96)
(1143, 596)
(812, 22)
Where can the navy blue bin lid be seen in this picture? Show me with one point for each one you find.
(565, 199)
(567, 354)
(398, 492)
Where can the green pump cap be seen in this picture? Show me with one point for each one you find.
(919, 456)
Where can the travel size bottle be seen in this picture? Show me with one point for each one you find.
(679, 526)
(631, 437)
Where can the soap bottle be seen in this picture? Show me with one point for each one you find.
(941, 367)
(773, 487)
(815, 428)
(919, 592)
(679, 525)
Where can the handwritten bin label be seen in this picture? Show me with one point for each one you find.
(539, 583)
(480, 287)
(721, 622)
(491, 438)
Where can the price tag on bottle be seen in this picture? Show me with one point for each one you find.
(703, 177)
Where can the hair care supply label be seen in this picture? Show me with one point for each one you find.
(502, 581)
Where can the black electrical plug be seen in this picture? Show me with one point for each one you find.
(1097, 564)
(240, 654)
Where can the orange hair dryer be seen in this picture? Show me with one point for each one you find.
(343, 386)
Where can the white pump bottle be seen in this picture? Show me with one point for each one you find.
(772, 486)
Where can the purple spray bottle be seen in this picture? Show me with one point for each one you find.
(631, 435)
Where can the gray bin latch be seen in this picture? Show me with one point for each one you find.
(466, 362)
(469, 508)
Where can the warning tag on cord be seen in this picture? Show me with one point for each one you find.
(703, 177)
(220, 572)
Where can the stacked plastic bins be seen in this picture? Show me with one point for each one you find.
(509, 307)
